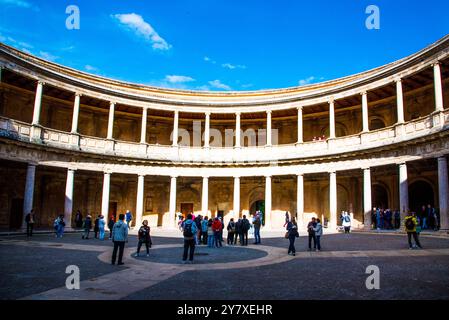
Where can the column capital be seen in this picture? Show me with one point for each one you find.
(78, 94)
(107, 172)
(173, 177)
(364, 92)
(442, 158)
(366, 168)
(176, 112)
(332, 171)
(238, 114)
(41, 82)
(205, 177)
(300, 107)
(300, 174)
(141, 175)
(397, 80)
(330, 100)
(72, 168)
(236, 177)
(112, 103)
(434, 63)
(269, 111)
(268, 176)
(208, 113)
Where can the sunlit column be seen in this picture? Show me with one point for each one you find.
(68, 203)
(205, 196)
(175, 128)
(399, 101)
(140, 198)
(76, 111)
(300, 200)
(438, 87)
(207, 130)
(269, 128)
(367, 207)
(365, 127)
(37, 103)
(29, 192)
(300, 129)
(333, 200)
(172, 207)
(236, 197)
(143, 129)
(111, 120)
(443, 192)
(403, 190)
(105, 195)
(237, 130)
(331, 119)
(268, 202)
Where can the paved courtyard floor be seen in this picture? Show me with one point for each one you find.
(35, 269)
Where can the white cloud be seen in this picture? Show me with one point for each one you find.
(308, 80)
(247, 85)
(178, 79)
(207, 59)
(20, 3)
(232, 66)
(137, 23)
(219, 85)
(47, 56)
(90, 68)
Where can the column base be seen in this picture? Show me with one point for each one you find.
(438, 118)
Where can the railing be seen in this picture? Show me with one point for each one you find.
(421, 127)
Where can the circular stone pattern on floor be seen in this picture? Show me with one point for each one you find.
(203, 255)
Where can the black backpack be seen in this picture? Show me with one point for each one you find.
(188, 230)
(409, 224)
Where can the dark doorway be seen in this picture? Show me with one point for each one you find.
(16, 214)
(112, 211)
(186, 208)
(420, 193)
(259, 205)
(379, 197)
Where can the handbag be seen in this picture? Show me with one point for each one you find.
(286, 235)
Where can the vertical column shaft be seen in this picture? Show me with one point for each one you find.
(403, 190)
(172, 207)
(175, 128)
(438, 87)
(367, 207)
(140, 199)
(333, 200)
(237, 130)
(300, 126)
(37, 103)
(76, 111)
(269, 128)
(443, 192)
(399, 101)
(111, 121)
(143, 129)
(236, 197)
(68, 203)
(300, 200)
(365, 126)
(205, 196)
(331, 119)
(207, 131)
(29, 191)
(105, 195)
(268, 202)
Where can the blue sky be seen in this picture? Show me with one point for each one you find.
(222, 44)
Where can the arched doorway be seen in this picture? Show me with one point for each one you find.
(380, 196)
(258, 205)
(420, 193)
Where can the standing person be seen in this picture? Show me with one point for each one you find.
(204, 232)
(129, 218)
(378, 219)
(373, 218)
(87, 225)
(287, 218)
(101, 226)
(231, 231)
(144, 238)
(435, 218)
(111, 226)
(216, 228)
(311, 231)
(424, 217)
(318, 233)
(198, 227)
(119, 237)
(257, 223)
(78, 220)
(245, 228)
(410, 227)
(30, 219)
(210, 234)
(397, 219)
(96, 228)
(189, 232)
(292, 234)
(346, 222)
(59, 225)
(238, 231)
(221, 228)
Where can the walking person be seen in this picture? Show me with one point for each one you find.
(144, 238)
(204, 232)
(311, 231)
(292, 234)
(59, 225)
(410, 227)
(30, 220)
(318, 233)
(87, 225)
(257, 224)
(119, 238)
(101, 226)
(210, 234)
(189, 232)
(96, 227)
(78, 220)
(397, 219)
(346, 222)
(129, 218)
(216, 228)
(231, 231)
(245, 228)
(110, 226)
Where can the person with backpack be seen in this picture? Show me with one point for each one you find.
(30, 220)
(119, 238)
(204, 232)
(257, 224)
(210, 234)
(144, 238)
(101, 226)
(311, 231)
(292, 234)
(129, 218)
(216, 228)
(318, 233)
(411, 223)
(231, 231)
(245, 228)
(198, 227)
(189, 232)
(238, 231)
(346, 222)
(96, 227)
(87, 225)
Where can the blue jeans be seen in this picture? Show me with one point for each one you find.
(318, 243)
(210, 240)
(60, 231)
(217, 236)
(257, 235)
(424, 223)
(101, 233)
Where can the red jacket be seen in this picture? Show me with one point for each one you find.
(216, 226)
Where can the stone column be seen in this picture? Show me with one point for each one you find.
(300, 129)
(140, 198)
(331, 119)
(111, 121)
(399, 101)
(237, 130)
(143, 129)
(403, 191)
(443, 192)
(76, 111)
(37, 103)
(365, 127)
(68, 203)
(300, 200)
(367, 206)
(105, 196)
(205, 196)
(175, 128)
(236, 198)
(172, 207)
(438, 87)
(207, 130)
(268, 202)
(333, 200)
(29, 192)
(269, 128)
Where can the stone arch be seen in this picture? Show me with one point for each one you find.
(380, 195)
(421, 191)
(341, 130)
(376, 122)
(188, 194)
